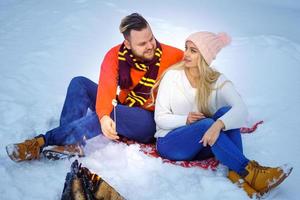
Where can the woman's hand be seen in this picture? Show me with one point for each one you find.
(212, 134)
(194, 116)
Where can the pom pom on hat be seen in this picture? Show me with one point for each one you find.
(225, 38)
(209, 44)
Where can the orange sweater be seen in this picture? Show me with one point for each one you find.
(108, 80)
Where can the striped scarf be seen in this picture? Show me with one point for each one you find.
(141, 92)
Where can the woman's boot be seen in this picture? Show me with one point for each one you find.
(263, 179)
(241, 183)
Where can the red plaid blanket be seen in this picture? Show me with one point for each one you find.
(211, 163)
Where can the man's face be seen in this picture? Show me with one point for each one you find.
(142, 43)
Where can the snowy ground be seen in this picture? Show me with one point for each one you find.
(43, 44)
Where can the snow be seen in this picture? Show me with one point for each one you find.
(43, 44)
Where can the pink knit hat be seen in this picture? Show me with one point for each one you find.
(209, 44)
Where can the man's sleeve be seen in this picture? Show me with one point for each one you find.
(107, 85)
(179, 55)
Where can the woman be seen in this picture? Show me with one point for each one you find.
(199, 113)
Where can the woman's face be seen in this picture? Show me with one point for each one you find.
(191, 54)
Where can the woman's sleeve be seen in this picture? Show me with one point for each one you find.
(237, 115)
(164, 117)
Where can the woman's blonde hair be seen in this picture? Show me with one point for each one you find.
(204, 84)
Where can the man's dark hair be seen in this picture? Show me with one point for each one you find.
(135, 22)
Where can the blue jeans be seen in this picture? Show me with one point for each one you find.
(183, 144)
(79, 120)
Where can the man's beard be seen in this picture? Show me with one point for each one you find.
(142, 57)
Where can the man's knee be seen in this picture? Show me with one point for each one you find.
(77, 80)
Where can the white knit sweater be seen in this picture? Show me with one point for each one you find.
(176, 98)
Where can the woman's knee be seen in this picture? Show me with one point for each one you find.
(205, 123)
(220, 112)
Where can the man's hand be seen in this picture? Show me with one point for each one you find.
(212, 134)
(108, 127)
(194, 116)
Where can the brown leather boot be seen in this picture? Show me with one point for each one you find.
(237, 179)
(62, 152)
(27, 150)
(263, 179)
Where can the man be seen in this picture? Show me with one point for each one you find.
(88, 109)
